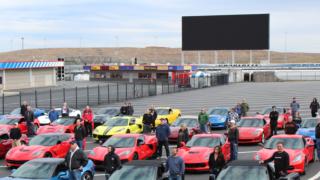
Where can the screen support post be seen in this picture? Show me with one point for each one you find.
(233, 56)
(251, 58)
(199, 57)
(215, 57)
(182, 57)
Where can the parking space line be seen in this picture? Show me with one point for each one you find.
(315, 177)
(99, 175)
(3, 166)
(245, 152)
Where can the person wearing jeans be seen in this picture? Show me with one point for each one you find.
(233, 136)
(318, 139)
(162, 134)
(175, 166)
(203, 119)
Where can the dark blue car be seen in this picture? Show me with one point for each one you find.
(48, 168)
(308, 128)
(218, 117)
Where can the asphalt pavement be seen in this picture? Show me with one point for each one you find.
(258, 95)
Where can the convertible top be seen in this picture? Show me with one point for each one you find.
(157, 163)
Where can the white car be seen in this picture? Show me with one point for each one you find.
(72, 112)
(44, 120)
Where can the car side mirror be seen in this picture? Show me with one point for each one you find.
(140, 142)
(63, 175)
(59, 142)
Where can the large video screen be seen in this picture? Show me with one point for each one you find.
(225, 32)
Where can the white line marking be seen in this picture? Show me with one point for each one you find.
(315, 177)
(3, 166)
(99, 175)
(245, 152)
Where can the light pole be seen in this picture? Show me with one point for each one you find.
(22, 43)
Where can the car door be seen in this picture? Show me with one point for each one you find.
(225, 147)
(142, 147)
(309, 146)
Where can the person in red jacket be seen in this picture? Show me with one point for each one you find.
(87, 116)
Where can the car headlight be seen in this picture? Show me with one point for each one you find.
(297, 158)
(95, 131)
(37, 153)
(257, 157)
(125, 153)
(207, 157)
(256, 132)
(121, 129)
(221, 119)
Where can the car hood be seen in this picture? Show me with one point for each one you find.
(100, 152)
(195, 154)
(51, 129)
(5, 128)
(215, 118)
(117, 130)
(25, 152)
(249, 131)
(267, 153)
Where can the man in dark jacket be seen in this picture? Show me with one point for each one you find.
(75, 160)
(233, 136)
(314, 106)
(79, 133)
(124, 109)
(183, 135)
(281, 161)
(162, 134)
(274, 114)
(111, 162)
(317, 131)
(290, 127)
(23, 108)
(148, 122)
(130, 109)
(29, 117)
(15, 135)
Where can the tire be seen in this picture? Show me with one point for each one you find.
(47, 155)
(263, 139)
(86, 176)
(135, 156)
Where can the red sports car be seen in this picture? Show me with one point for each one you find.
(61, 125)
(253, 129)
(197, 151)
(6, 142)
(44, 145)
(127, 146)
(190, 121)
(299, 148)
(283, 116)
(7, 122)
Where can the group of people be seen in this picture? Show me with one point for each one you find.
(126, 109)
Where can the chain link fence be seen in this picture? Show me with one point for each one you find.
(79, 97)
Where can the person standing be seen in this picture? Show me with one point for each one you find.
(216, 161)
(281, 161)
(29, 118)
(154, 115)
(65, 110)
(23, 108)
(238, 110)
(183, 135)
(317, 131)
(175, 166)
(75, 160)
(244, 108)
(79, 133)
(290, 127)
(53, 115)
(162, 134)
(147, 122)
(15, 135)
(111, 162)
(233, 136)
(274, 115)
(130, 109)
(232, 115)
(124, 109)
(203, 119)
(87, 116)
(295, 106)
(314, 106)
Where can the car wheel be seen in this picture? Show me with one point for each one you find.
(128, 131)
(135, 156)
(47, 155)
(263, 138)
(87, 176)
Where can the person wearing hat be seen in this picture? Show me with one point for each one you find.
(162, 134)
(76, 159)
(233, 136)
(274, 114)
(111, 162)
(15, 135)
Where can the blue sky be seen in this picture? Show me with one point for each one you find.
(140, 23)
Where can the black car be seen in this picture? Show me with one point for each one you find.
(251, 170)
(100, 119)
(141, 170)
(103, 114)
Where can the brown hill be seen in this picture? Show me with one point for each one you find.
(151, 54)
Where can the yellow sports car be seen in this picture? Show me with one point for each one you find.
(167, 113)
(118, 125)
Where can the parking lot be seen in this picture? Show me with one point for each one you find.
(258, 95)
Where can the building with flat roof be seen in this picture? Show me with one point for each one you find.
(29, 74)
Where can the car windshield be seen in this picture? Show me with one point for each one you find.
(15, 111)
(222, 112)
(8, 121)
(162, 111)
(111, 112)
(289, 143)
(64, 121)
(117, 122)
(245, 172)
(309, 123)
(44, 140)
(99, 118)
(35, 170)
(204, 142)
(189, 122)
(135, 173)
(120, 142)
(268, 110)
(250, 123)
